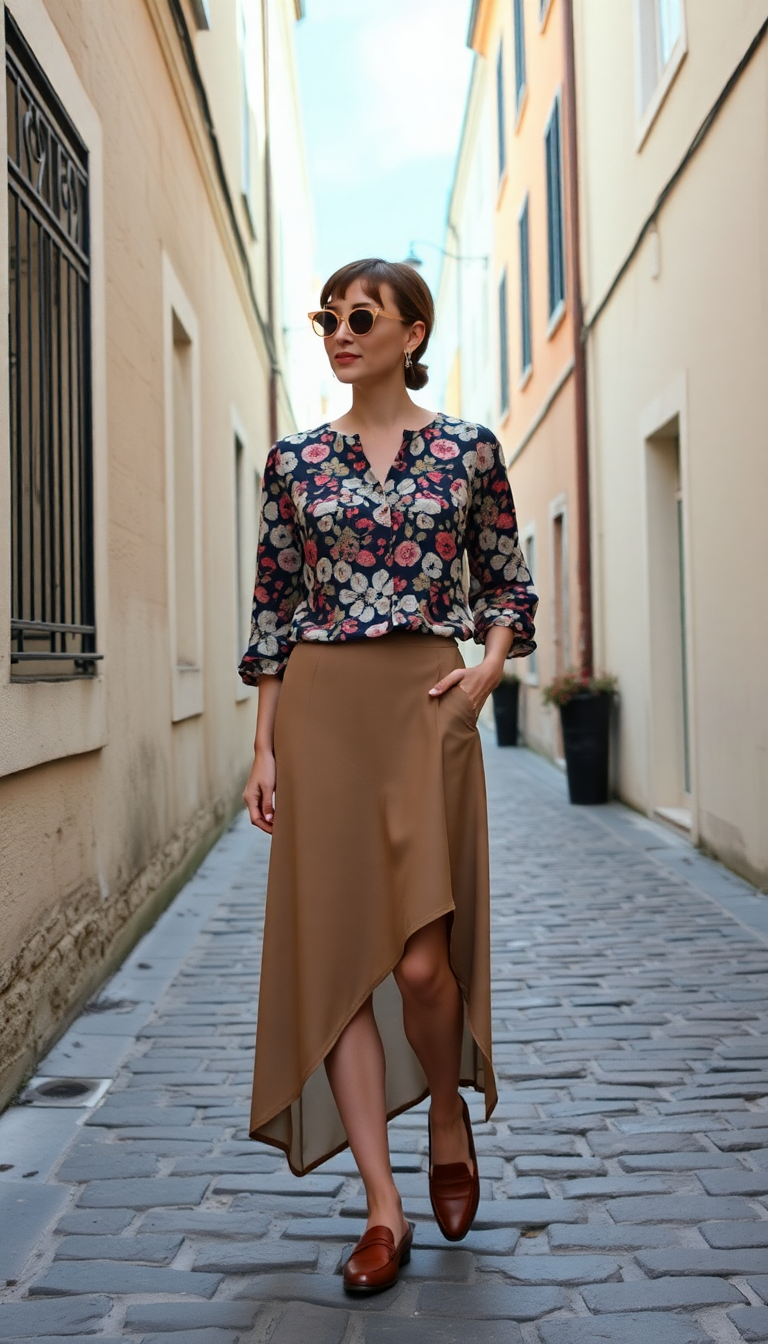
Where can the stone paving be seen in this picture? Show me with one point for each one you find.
(624, 1173)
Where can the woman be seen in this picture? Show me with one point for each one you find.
(368, 774)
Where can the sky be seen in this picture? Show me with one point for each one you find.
(383, 88)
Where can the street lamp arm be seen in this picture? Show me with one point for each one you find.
(452, 256)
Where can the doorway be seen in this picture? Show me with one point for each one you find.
(672, 787)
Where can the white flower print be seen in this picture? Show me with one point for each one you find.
(325, 524)
(470, 462)
(270, 510)
(429, 505)
(382, 582)
(424, 521)
(267, 621)
(280, 536)
(324, 570)
(342, 571)
(408, 604)
(325, 506)
(296, 438)
(285, 462)
(466, 432)
(374, 630)
(359, 583)
(487, 539)
(382, 515)
(432, 565)
(406, 487)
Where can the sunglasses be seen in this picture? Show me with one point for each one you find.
(359, 320)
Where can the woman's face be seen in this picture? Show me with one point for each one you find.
(357, 359)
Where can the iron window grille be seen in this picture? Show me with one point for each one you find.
(53, 630)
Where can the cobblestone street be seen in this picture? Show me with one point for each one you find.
(624, 1174)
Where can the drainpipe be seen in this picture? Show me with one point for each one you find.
(268, 227)
(579, 348)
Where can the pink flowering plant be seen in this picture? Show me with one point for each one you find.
(571, 683)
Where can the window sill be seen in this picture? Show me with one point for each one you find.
(666, 80)
(50, 720)
(522, 103)
(502, 188)
(544, 15)
(556, 319)
(504, 417)
(525, 377)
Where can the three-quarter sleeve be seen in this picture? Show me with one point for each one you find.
(278, 577)
(500, 588)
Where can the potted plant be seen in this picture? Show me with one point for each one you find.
(506, 701)
(584, 702)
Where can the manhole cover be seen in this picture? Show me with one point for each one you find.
(64, 1091)
(63, 1087)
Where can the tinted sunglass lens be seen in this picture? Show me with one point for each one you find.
(325, 323)
(360, 321)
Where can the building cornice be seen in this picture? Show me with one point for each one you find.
(205, 146)
(479, 25)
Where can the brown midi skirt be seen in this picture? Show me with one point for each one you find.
(380, 828)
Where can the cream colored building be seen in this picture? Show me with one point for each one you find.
(674, 192)
(155, 261)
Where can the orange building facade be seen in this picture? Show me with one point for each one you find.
(535, 309)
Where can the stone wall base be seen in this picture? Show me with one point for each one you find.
(84, 939)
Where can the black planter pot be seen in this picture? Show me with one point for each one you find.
(506, 701)
(586, 722)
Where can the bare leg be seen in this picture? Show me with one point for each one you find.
(433, 1019)
(356, 1070)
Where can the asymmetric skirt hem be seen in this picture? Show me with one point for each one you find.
(380, 829)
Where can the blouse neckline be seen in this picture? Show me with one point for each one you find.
(407, 433)
(407, 436)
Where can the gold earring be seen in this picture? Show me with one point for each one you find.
(408, 360)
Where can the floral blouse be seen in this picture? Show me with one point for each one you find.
(342, 556)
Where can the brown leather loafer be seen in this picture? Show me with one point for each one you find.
(375, 1262)
(454, 1190)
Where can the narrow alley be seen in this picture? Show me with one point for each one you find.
(624, 1173)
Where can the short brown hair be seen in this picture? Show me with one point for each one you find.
(414, 300)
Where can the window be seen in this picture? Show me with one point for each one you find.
(187, 644)
(560, 620)
(503, 347)
(661, 46)
(202, 13)
(519, 19)
(246, 175)
(529, 552)
(525, 290)
(670, 21)
(501, 138)
(183, 499)
(555, 232)
(53, 631)
(241, 643)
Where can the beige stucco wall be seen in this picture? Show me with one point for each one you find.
(89, 839)
(685, 335)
